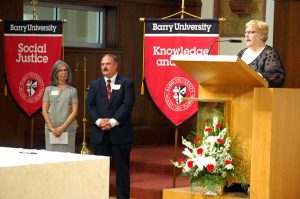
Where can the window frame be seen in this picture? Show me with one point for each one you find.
(58, 7)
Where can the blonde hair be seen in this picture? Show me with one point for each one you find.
(261, 26)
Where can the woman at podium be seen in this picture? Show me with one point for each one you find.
(261, 57)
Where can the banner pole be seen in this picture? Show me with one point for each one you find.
(182, 9)
(182, 12)
(175, 156)
(31, 132)
(143, 66)
(34, 3)
(5, 88)
(176, 129)
(63, 45)
(221, 21)
(84, 149)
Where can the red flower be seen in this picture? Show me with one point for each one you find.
(180, 160)
(197, 139)
(199, 151)
(227, 162)
(220, 141)
(208, 129)
(219, 125)
(210, 167)
(190, 164)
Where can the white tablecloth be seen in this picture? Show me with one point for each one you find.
(36, 174)
(18, 156)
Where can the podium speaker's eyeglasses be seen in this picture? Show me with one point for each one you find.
(250, 32)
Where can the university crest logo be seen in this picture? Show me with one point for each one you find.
(175, 91)
(31, 87)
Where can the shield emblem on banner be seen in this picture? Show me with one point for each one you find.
(29, 59)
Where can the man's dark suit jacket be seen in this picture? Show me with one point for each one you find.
(118, 107)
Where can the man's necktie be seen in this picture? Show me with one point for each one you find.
(108, 88)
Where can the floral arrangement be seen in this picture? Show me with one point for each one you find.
(212, 158)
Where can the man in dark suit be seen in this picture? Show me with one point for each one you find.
(109, 102)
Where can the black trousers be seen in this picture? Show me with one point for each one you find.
(121, 158)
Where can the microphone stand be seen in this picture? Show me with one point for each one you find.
(211, 45)
(229, 40)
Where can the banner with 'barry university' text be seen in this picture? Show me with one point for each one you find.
(167, 84)
(30, 50)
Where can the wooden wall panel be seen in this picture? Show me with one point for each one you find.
(286, 39)
(14, 124)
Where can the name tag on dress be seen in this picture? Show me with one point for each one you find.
(54, 93)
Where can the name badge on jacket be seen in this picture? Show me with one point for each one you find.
(116, 86)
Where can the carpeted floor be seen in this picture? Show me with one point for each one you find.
(151, 172)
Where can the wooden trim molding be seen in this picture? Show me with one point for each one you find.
(237, 13)
(240, 7)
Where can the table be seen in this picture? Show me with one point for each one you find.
(36, 174)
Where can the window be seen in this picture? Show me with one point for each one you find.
(84, 27)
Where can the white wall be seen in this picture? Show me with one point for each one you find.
(233, 48)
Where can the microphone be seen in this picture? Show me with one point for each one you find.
(227, 40)
(234, 40)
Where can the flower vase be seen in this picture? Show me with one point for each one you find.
(217, 191)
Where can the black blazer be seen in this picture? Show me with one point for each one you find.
(118, 107)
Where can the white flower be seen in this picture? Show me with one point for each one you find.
(196, 172)
(200, 162)
(229, 166)
(176, 164)
(211, 139)
(222, 133)
(187, 152)
(215, 122)
(209, 160)
(227, 143)
(186, 168)
(187, 143)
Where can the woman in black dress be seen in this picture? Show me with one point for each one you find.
(261, 57)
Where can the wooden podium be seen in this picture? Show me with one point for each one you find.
(275, 160)
(226, 78)
(263, 117)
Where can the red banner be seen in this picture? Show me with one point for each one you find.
(30, 50)
(167, 84)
